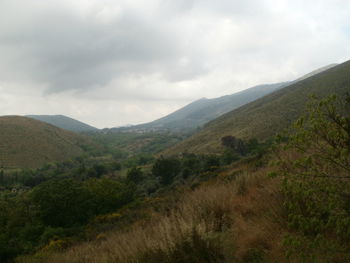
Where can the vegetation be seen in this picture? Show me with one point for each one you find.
(57, 209)
(317, 183)
(27, 143)
(60, 204)
(139, 145)
(121, 203)
(236, 213)
(201, 227)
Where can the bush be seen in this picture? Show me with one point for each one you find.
(106, 195)
(134, 175)
(166, 169)
(316, 183)
(61, 202)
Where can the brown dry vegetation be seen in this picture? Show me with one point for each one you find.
(28, 143)
(229, 220)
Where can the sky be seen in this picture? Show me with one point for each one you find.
(110, 63)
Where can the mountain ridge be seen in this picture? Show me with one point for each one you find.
(199, 112)
(64, 122)
(266, 116)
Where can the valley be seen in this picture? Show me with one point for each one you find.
(263, 181)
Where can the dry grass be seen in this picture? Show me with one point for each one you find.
(217, 222)
(28, 143)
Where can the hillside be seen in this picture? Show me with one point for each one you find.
(64, 122)
(28, 143)
(201, 111)
(267, 116)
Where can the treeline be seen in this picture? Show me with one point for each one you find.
(192, 168)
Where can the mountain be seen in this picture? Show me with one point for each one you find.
(64, 122)
(312, 73)
(199, 112)
(29, 143)
(203, 110)
(268, 115)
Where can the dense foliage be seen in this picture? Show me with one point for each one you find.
(55, 209)
(52, 205)
(317, 183)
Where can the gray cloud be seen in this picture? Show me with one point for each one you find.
(132, 53)
(73, 53)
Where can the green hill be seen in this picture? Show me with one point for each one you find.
(64, 122)
(268, 115)
(200, 112)
(28, 143)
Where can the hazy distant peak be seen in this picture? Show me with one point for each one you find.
(64, 122)
(317, 71)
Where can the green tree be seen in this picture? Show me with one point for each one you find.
(135, 175)
(62, 202)
(316, 182)
(107, 195)
(2, 175)
(234, 143)
(166, 169)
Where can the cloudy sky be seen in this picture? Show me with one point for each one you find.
(110, 63)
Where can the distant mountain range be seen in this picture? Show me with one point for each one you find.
(64, 122)
(199, 112)
(29, 143)
(265, 117)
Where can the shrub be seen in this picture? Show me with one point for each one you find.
(166, 169)
(134, 175)
(316, 183)
(191, 248)
(61, 202)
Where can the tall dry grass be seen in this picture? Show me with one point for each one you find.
(203, 227)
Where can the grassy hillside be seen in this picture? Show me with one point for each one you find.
(28, 143)
(267, 116)
(201, 111)
(204, 110)
(64, 122)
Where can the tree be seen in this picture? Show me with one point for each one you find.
(2, 177)
(322, 139)
(62, 202)
(166, 169)
(316, 187)
(234, 143)
(134, 175)
(97, 171)
(107, 195)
